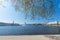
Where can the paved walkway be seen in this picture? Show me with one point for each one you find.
(31, 37)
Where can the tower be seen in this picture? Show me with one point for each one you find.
(57, 22)
(25, 23)
(13, 21)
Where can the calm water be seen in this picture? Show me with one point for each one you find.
(28, 30)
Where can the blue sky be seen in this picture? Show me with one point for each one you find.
(8, 14)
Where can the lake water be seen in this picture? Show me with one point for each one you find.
(28, 30)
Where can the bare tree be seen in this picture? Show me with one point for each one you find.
(33, 8)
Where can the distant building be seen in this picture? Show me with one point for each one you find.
(25, 23)
(13, 21)
(55, 23)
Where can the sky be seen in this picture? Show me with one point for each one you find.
(8, 14)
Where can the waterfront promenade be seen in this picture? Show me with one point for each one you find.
(31, 37)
